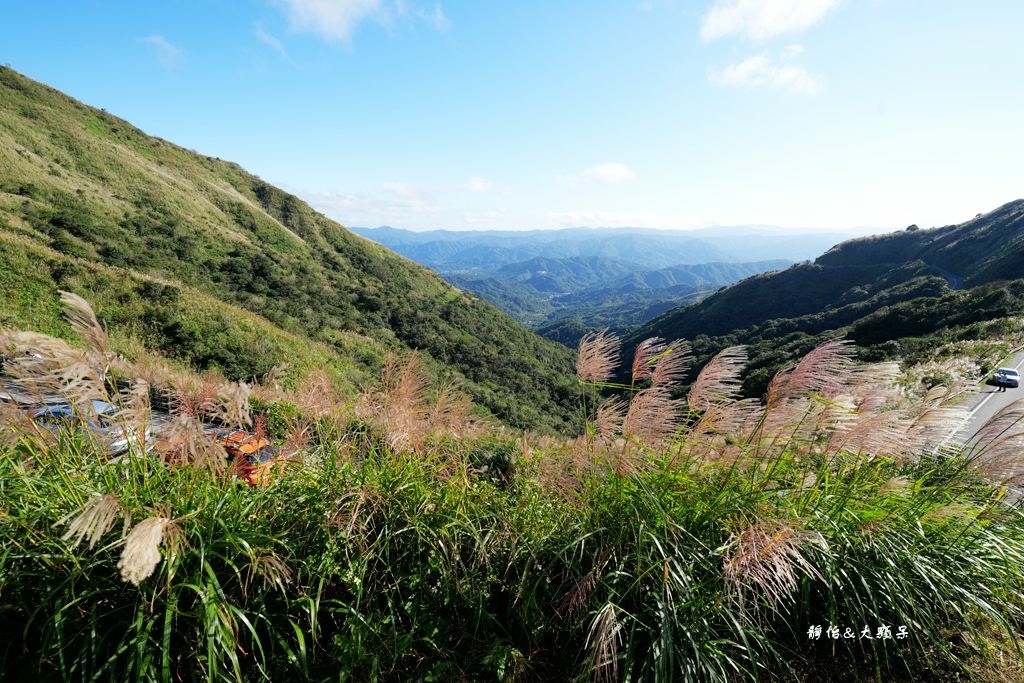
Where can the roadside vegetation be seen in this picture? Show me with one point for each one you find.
(818, 534)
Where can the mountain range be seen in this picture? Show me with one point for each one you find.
(561, 282)
(896, 295)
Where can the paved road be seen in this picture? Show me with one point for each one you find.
(953, 280)
(987, 402)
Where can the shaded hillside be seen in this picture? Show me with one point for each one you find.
(98, 196)
(989, 247)
(892, 294)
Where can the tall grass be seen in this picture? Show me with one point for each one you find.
(698, 540)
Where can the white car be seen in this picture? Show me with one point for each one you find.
(1006, 377)
(97, 418)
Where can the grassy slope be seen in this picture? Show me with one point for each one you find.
(112, 208)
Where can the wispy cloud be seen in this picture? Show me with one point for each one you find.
(438, 18)
(605, 219)
(477, 184)
(762, 19)
(609, 173)
(332, 20)
(166, 53)
(762, 71)
(393, 203)
(337, 20)
(270, 41)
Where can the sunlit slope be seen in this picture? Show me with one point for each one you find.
(102, 197)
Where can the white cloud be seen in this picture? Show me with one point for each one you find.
(762, 71)
(611, 173)
(483, 219)
(403, 191)
(167, 54)
(333, 20)
(477, 184)
(336, 20)
(762, 19)
(439, 20)
(271, 41)
(605, 219)
(397, 204)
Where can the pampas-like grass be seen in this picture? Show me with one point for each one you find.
(271, 570)
(720, 380)
(185, 442)
(232, 405)
(95, 518)
(603, 641)
(671, 366)
(83, 321)
(598, 356)
(653, 416)
(765, 559)
(403, 411)
(645, 357)
(1002, 460)
(450, 413)
(825, 370)
(141, 552)
(610, 416)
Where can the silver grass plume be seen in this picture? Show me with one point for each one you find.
(83, 321)
(603, 640)
(671, 365)
(90, 522)
(825, 370)
(765, 558)
(652, 416)
(645, 357)
(598, 355)
(610, 416)
(141, 552)
(720, 379)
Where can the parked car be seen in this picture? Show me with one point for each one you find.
(253, 457)
(250, 457)
(1006, 377)
(97, 418)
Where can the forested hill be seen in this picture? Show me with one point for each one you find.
(889, 293)
(197, 258)
(990, 247)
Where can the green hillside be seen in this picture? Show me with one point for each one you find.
(895, 295)
(211, 265)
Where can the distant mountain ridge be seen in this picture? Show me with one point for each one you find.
(449, 251)
(598, 277)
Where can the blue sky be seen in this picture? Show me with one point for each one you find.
(536, 114)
